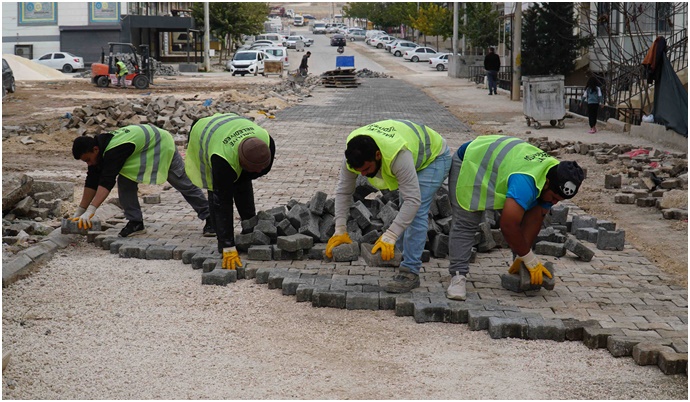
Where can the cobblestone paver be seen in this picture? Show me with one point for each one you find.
(618, 300)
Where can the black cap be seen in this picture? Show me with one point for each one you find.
(565, 179)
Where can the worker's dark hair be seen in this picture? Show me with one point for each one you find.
(82, 145)
(592, 83)
(491, 49)
(360, 149)
(308, 53)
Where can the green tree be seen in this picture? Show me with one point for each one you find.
(434, 20)
(481, 29)
(229, 21)
(549, 44)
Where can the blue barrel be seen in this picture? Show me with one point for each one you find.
(344, 61)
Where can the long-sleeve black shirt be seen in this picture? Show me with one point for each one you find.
(492, 62)
(227, 187)
(105, 172)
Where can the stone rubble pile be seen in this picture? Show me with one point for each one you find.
(31, 209)
(366, 73)
(177, 115)
(646, 177)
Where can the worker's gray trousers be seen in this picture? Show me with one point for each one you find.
(465, 224)
(129, 201)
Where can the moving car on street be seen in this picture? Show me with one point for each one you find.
(338, 40)
(247, 62)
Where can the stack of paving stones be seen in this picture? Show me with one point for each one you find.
(170, 113)
(652, 329)
(15, 131)
(366, 73)
(646, 177)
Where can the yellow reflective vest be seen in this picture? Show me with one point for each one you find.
(153, 152)
(220, 134)
(489, 162)
(391, 136)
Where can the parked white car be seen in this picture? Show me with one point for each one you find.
(247, 62)
(67, 62)
(277, 53)
(380, 41)
(440, 62)
(421, 53)
(397, 49)
(354, 35)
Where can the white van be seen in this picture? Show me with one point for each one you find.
(273, 37)
(277, 53)
(319, 27)
(247, 62)
(298, 21)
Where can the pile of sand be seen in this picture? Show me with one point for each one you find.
(27, 70)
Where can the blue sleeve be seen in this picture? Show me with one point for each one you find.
(522, 189)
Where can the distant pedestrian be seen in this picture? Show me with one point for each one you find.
(492, 64)
(303, 66)
(593, 97)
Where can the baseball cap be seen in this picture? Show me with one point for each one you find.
(565, 178)
(254, 154)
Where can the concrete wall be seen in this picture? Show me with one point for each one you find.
(659, 134)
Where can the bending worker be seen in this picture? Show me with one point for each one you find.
(225, 153)
(394, 154)
(495, 172)
(133, 154)
(121, 73)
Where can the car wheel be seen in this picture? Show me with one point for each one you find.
(67, 68)
(397, 54)
(440, 67)
(415, 59)
(102, 81)
(379, 46)
(12, 88)
(140, 81)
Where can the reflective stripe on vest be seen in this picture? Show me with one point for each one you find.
(488, 164)
(220, 135)
(153, 152)
(424, 147)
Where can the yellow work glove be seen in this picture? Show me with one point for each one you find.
(340, 237)
(535, 268)
(386, 243)
(84, 220)
(515, 266)
(231, 259)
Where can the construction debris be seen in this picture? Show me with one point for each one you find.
(366, 73)
(340, 78)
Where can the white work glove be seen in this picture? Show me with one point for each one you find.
(84, 220)
(78, 212)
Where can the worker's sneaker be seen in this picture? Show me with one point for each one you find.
(457, 290)
(209, 230)
(132, 229)
(403, 282)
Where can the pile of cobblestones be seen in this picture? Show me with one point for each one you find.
(366, 73)
(646, 177)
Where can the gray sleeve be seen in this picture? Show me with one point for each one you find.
(408, 184)
(343, 194)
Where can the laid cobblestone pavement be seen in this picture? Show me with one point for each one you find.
(614, 301)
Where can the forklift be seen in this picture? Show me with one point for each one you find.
(104, 74)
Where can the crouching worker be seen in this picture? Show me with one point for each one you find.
(394, 154)
(496, 172)
(133, 154)
(225, 153)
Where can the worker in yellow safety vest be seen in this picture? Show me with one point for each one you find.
(225, 153)
(496, 172)
(394, 155)
(122, 72)
(131, 155)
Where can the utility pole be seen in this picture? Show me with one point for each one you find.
(517, 53)
(207, 39)
(464, 19)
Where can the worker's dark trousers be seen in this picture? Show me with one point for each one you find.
(129, 201)
(243, 198)
(463, 227)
